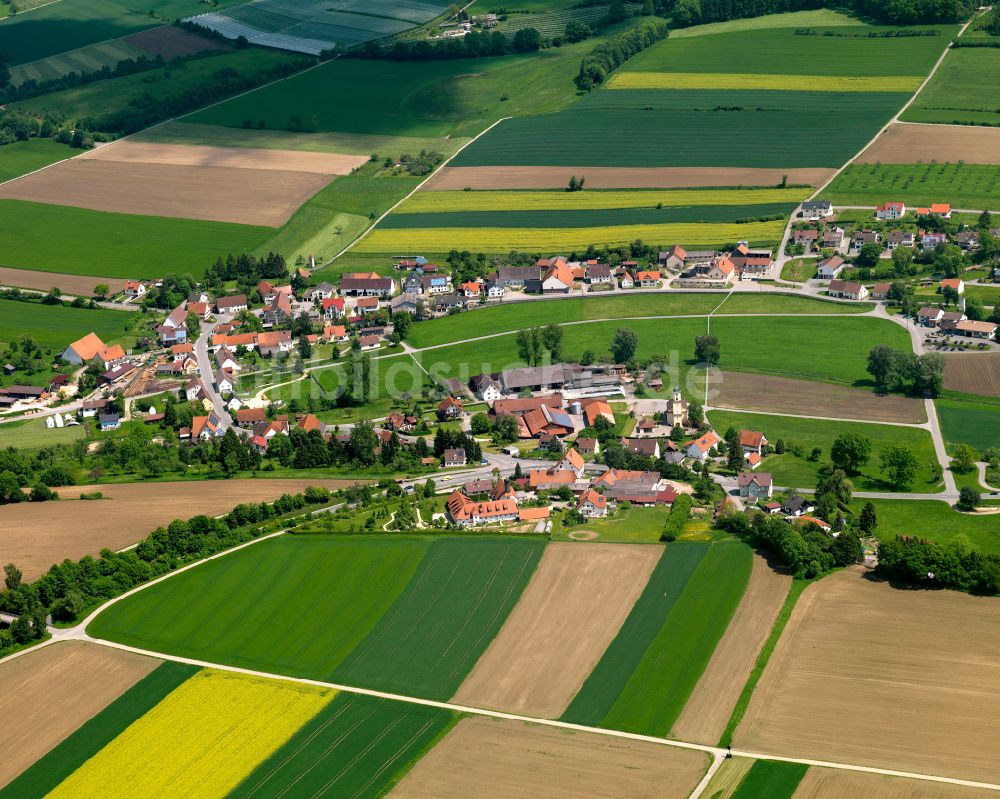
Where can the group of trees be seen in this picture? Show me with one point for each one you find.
(900, 12)
(472, 45)
(916, 561)
(538, 344)
(608, 56)
(456, 439)
(898, 370)
(69, 588)
(246, 270)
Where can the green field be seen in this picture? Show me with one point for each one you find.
(23, 157)
(963, 91)
(406, 614)
(57, 326)
(771, 778)
(356, 746)
(634, 525)
(799, 270)
(794, 472)
(514, 316)
(796, 19)
(87, 59)
(586, 218)
(115, 245)
(119, 94)
(780, 51)
(61, 761)
(608, 680)
(656, 692)
(969, 423)
(32, 434)
(71, 24)
(445, 618)
(457, 97)
(962, 185)
(360, 580)
(935, 521)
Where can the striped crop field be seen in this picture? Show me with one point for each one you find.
(460, 201)
(202, 740)
(694, 234)
(748, 81)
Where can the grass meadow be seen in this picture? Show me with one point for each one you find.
(22, 157)
(56, 326)
(32, 434)
(85, 59)
(963, 91)
(743, 81)
(969, 423)
(797, 472)
(356, 746)
(115, 245)
(962, 185)
(405, 614)
(71, 753)
(935, 521)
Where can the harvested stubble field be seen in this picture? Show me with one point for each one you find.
(36, 535)
(571, 610)
(171, 41)
(871, 675)
(202, 740)
(76, 285)
(906, 143)
(217, 194)
(458, 178)
(487, 758)
(708, 710)
(50, 692)
(828, 783)
(973, 373)
(767, 393)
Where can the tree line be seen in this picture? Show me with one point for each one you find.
(900, 12)
(608, 56)
(928, 564)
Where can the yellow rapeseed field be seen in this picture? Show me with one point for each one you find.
(737, 80)
(501, 240)
(200, 741)
(450, 201)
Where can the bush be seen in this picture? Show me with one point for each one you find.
(680, 512)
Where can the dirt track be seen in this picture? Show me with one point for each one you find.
(218, 194)
(908, 144)
(135, 152)
(754, 392)
(46, 695)
(79, 285)
(494, 759)
(36, 535)
(974, 372)
(871, 675)
(556, 177)
(826, 783)
(577, 600)
(708, 710)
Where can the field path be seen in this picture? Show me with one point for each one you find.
(577, 600)
(707, 712)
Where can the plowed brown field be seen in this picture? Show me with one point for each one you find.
(456, 178)
(577, 600)
(905, 143)
(36, 535)
(46, 694)
(218, 194)
(975, 373)
(134, 152)
(755, 392)
(828, 783)
(711, 704)
(870, 675)
(79, 285)
(170, 41)
(490, 758)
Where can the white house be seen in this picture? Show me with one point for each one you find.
(592, 504)
(830, 268)
(700, 448)
(890, 211)
(814, 210)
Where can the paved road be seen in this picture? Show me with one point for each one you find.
(205, 366)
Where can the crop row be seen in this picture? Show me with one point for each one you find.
(744, 81)
(694, 234)
(454, 201)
